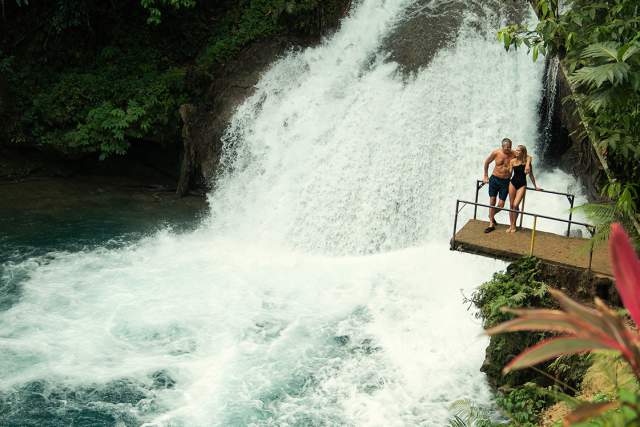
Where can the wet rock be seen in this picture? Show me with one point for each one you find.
(205, 123)
(429, 26)
(342, 339)
(567, 147)
(162, 380)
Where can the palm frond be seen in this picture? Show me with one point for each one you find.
(607, 51)
(615, 73)
(630, 50)
(600, 99)
(469, 414)
(602, 215)
(599, 213)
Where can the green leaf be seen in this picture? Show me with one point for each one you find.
(506, 40)
(607, 51)
(544, 8)
(628, 51)
(615, 73)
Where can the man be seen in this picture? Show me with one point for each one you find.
(499, 181)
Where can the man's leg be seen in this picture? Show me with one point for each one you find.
(500, 206)
(492, 211)
(503, 193)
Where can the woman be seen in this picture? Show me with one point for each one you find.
(519, 166)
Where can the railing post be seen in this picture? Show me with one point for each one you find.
(455, 226)
(524, 199)
(475, 207)
(571, 200)
(533, 235)
(590, 256)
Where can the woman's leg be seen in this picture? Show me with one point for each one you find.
(516, 202)
(512, 218)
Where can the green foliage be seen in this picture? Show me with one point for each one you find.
(468, 414)
(120, 99)
(96, 77)
(525, 404)
(525, 394)
(6, 64)
(623, 210)
(628, 414)
(600, 45)
(243, 25)
(255, 19)
(616, 382)
(154, 7)
(70, 12)
(569, 370)
(516, 287)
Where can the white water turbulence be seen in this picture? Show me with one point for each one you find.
(321, 291)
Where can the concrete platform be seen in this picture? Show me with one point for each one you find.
(552, 248)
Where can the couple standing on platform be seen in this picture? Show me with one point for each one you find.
(509, 177)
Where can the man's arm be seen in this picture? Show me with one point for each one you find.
(487, 162)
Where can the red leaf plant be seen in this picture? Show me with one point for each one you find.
(581, 328)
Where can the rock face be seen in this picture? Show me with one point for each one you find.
(231, 83)
(425, 29)
(567, 147)
(428, 26)
(204, 124)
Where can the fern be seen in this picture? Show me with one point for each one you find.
(615, 73)
(469, 414)
(607, 51)
(599, 43)
(603, 215)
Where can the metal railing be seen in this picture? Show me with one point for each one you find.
(570, 197)
(590, 228)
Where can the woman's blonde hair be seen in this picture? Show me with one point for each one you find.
(523, 153)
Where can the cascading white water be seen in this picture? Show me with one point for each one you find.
(550, 89)
(321, 291)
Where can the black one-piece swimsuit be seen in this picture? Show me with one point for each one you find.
(519, 178)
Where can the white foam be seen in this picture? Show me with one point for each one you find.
(321, 290)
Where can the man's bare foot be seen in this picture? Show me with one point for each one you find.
(511, 230)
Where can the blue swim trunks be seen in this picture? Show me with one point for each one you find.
(498, 186)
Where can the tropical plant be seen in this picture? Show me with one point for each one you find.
(154, 7)
(469, 414)
(599, 43)
(582, 329)
(95, 77)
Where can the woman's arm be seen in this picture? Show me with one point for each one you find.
(510, 166)
(533, 178)
(527, 166)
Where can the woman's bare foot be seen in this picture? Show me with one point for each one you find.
(511, 230)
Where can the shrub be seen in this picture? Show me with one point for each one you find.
(582, 329)
(518, 286)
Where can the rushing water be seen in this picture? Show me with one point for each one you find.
(321, 290)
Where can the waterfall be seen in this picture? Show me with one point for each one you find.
(321, 291)
(549, 105)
